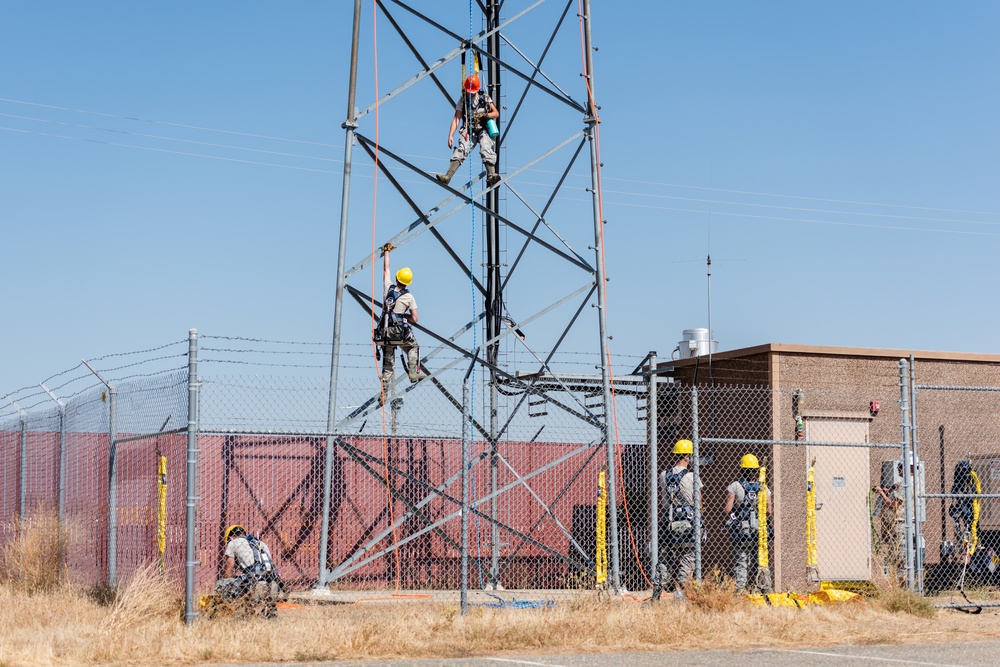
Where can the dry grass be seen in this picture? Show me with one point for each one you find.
(46, 621)
(32, 561)
(142, 627)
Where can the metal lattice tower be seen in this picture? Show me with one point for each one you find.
(543, 254)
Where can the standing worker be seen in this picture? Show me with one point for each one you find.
(399, 311)
(742, 520)
(482, 110)
(893, 497)
(676, 525)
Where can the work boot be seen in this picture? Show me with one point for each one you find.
(416, 375)
(656, 593)
(492, 177)
(452, 168)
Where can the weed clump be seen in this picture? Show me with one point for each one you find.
(32, 562)
(900, 600)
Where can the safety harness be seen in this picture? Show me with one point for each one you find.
(745, 521)
(262, 563)
(680, 515)
(392, 327)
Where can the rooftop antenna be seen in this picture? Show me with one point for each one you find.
(711, 334)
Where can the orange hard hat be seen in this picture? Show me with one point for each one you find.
(472, 84)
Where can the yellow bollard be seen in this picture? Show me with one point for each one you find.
(161, 511)
(812, 554)
(601, 557)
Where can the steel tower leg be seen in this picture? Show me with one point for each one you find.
(602, 314)
(494, 297)
(349, 126)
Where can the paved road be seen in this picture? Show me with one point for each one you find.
(971, 654)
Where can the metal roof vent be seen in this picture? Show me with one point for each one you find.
(695, 343)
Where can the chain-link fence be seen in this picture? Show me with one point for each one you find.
(793, 487)
(957, 442)
(786, 486)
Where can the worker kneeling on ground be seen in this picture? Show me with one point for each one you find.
(250, 572)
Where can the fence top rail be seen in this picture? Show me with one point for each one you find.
(800, 443)
(942, 387)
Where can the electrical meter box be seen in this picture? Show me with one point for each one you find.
(892, 473)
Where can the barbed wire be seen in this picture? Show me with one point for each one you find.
(250, 351)
(265, 340)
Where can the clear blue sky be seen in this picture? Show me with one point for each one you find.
(176, 165)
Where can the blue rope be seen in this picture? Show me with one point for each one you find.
(472, 291)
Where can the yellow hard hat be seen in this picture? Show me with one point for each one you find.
(749, 461)
(404, 276)
(684, 447)
(229, 531)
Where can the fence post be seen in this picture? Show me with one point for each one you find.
(23, 499)
(62, 455)
(112, 486)
(696, 470)
(192, 478)
(112, 397)
(907, 477)
(654, 467)
(918, 556)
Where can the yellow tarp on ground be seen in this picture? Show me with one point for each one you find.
(793, 601)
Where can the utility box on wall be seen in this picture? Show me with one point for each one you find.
(892, 473)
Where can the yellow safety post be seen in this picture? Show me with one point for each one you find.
(601, 557)
(812, 555)
(161, 510)
(762, 555)
(763, 569)
(974, 528)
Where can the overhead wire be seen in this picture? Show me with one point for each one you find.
(629, 204)
(535, 170)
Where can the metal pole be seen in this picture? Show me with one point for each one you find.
(62, 454)
(466, 419)
(112, 475)
(696, 471)
(918, 556)
(591, 122)
(494, 296)
(24, 469)
(654, 467)
(112, 486)
(62, 464)
(907, 477)
(192, 478)
(331, 419)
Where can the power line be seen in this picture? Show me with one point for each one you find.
(169, 124)
(621, 180)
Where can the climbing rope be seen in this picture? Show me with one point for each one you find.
(970, 540)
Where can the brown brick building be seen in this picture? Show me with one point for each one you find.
(837, 394)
